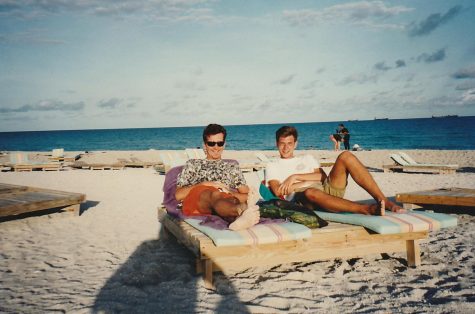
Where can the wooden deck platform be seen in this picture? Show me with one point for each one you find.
(450, 196)
(18, 199)
(334, 241)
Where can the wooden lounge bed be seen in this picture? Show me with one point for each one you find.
(37, 166)
(334, 241)
(403, 162)
(451, 196)
(98, 166)
(418, 168)
(21, 162)
(18, 199)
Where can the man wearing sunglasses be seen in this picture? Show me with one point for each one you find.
(216, 186)
(302, 180)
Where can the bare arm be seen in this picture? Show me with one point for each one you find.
(296, 181)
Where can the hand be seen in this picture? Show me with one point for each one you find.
(286, 187)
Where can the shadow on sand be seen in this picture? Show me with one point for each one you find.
(159, 277)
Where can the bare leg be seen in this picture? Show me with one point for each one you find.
(227, 208)
(336, 204)
(335, 142)
(347, 163)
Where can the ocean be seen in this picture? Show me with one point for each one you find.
(451, 133)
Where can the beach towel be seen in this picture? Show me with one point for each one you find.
(391, 223)
(259, 234)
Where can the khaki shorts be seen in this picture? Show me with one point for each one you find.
(325, 187)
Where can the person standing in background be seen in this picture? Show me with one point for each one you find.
(345, 135)
(342, 135)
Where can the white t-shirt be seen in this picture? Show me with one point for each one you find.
(281, 169)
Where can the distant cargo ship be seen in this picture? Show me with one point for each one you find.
(447, 116)
(381, 118)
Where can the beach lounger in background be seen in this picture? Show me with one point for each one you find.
(18, 199)
(59, 155)
(447, 196)
(171, 159)
(262, 157)
(408, 164)
(195, 153)
(337, 240)
(21, 162)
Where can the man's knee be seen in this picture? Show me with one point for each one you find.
(346, 156)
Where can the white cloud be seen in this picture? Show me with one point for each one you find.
(159, 10)
(286, 80)
(360, 78)
(47, 105)
(365, 13)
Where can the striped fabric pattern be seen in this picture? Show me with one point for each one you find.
(259, 234)
(412, 221)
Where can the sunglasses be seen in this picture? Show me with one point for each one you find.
(212, 144)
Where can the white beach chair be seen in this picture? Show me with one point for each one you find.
(171, 159)
(195, 153)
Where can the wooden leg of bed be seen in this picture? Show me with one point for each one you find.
(208, 274)
(73, 209)
(413, 253)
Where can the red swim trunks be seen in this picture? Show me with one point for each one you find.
(192, 201)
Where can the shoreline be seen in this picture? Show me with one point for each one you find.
(114, 257)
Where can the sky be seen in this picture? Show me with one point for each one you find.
(95, 64)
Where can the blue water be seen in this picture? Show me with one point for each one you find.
(424, 133)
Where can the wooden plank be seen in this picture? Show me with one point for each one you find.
(208, 276)
(427, 168)
(454, 196)
(413, 253)
(35, 199)
(4, 188)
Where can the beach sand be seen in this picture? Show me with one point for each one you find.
(113, 257)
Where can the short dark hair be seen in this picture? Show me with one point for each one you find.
(213, 129)
(286, 131)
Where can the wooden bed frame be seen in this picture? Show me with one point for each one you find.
(420, 168)
(334, 241)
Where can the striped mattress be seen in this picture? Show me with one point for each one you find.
(258, 234)
(411, 221)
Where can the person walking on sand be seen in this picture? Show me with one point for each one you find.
(302, 180)
(214, 186)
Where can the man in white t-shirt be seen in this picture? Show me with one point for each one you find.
(301, 179)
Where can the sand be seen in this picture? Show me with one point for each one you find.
(112, 258)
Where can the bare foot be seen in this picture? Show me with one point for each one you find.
(248, 218)
(395, 208)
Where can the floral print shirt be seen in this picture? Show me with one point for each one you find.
(199, 170)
